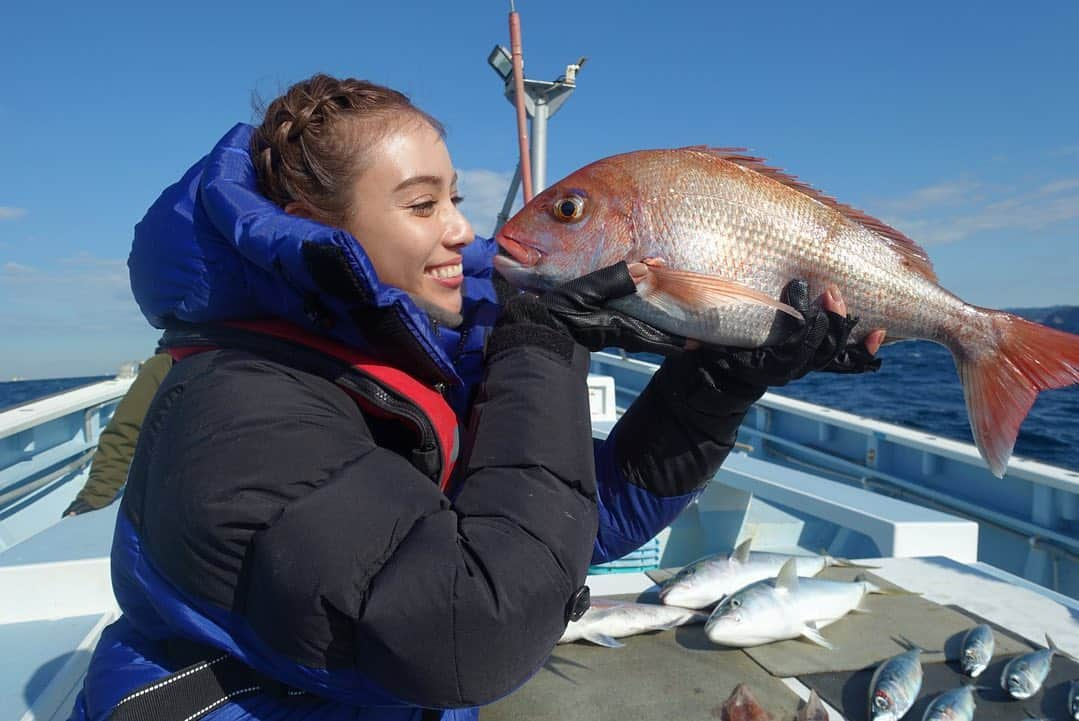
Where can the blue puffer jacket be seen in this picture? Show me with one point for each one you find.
(213, 249)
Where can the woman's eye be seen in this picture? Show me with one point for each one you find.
(457, 199)
(423, 209)
(569, 209)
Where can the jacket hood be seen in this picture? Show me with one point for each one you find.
(211, 248)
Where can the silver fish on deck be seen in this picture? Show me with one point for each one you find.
(606, 621)
(895, 686)
(1024, 675)
(977, 650)
(708, 579)
(955, 705)
(784, 607)
(712, 236)
(813, 710)
(1073, 700)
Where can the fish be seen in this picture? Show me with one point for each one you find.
(708, 579)
(784, 607)
(742, 705)
(813, 710)
(712, 236)
(976, 650)
(895, 686)
(1073, 700)
(604, 622)
(1024, 675)
(955, 705)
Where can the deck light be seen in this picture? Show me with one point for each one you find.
(500, 60)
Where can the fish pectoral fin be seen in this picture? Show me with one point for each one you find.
(602, 639)
(810, 631)
(687, 290)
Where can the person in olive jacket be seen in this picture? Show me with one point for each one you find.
(116, 443)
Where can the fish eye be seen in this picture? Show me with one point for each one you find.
(569, 209)
(735, 603)
(881, 701)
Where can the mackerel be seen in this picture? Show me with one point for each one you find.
(954, 705)
(976, 650)
(1024, 675)
(895, 686)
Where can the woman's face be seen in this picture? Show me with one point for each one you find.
(404, 214)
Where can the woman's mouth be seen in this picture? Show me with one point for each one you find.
(450, 276)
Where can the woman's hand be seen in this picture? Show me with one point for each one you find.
(578, 308)
(820, 343)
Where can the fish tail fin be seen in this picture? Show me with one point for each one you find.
(1001, 387)
(911, 645)
(844, 562)
(1058, 650)
(872, 586)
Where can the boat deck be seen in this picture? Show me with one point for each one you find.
(680, 674)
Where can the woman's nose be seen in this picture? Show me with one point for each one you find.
(458, 230)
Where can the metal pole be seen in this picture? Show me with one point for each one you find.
(519, 91)
(507, 204)
(539, 145)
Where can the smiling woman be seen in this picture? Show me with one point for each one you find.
(368, 487)
(362, 157)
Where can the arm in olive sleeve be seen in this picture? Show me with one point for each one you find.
(116, 444)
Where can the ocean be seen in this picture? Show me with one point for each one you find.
(917, 386)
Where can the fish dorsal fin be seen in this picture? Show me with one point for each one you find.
(787, 580)
(741, 553)
(915, 257)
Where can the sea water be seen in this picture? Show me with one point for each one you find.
(917, 386)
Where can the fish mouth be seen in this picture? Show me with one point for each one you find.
(1016, 688)
(523, 253)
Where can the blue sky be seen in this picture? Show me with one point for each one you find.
(956, 122)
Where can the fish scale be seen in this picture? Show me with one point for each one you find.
(718, 235)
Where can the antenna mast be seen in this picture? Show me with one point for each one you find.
(535, 99)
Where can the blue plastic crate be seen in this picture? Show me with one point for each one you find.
(645, 558)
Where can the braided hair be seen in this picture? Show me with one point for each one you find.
(311, 145)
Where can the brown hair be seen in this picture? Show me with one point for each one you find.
(312, 143)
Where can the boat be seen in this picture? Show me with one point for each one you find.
(804, 478)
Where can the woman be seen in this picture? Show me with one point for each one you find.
(342, 504)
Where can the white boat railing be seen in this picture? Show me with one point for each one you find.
(46, 447)
(1028, 520)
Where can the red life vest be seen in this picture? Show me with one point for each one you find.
(404, 394)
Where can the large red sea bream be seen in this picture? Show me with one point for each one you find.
(714, 235)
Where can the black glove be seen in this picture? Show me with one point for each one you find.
(820, 343)
(577, 310)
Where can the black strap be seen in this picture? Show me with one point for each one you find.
(195, 690)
